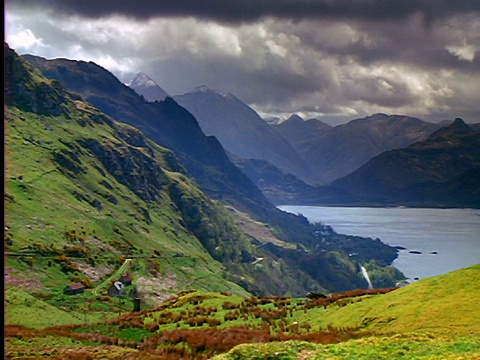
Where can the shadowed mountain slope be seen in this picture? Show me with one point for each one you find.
(164, 122)
(301, 133)
(430, 172)
(336, 152)
(240, 130)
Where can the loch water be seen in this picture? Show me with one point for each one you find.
(436, 241)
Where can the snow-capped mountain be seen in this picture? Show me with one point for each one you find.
(147, 87)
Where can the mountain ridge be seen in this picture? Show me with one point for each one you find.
(398, 175)
(335, 152)
(147, 87)
(240, 129)
(165, 122)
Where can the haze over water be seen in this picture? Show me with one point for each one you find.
(454, 234)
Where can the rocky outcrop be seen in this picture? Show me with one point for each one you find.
(21, 91)
(131, 167)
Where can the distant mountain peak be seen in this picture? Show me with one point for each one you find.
(142, 79)
(379, 115)
(273, 120)
(205, 89)
(147, 87)
(294, 119)
(201, 88)
(458, 126)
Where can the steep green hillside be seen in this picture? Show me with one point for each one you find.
(89, 199)
(84, 193)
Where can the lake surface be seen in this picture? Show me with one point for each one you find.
(446, 239)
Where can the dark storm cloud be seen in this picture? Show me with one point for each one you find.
(407, 42)
(235, 11)
(329, 59)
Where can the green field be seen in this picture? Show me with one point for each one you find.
(434, 318)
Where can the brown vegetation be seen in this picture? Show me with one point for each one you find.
(199, 333)
(338, 298)
(204, 343)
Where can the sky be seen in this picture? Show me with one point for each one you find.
(334, 60)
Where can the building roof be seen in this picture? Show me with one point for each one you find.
(118, 285)
(126, 277)
(77, 286)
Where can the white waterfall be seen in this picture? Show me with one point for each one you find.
(367, 277)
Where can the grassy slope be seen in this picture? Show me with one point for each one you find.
(443, 305)
(412, 346)
(22, 306)
(447, 304)
(41, 208)
(435, 318)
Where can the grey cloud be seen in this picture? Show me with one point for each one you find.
(407, 42)
(234, 11)
(380, 91)
(314, 64)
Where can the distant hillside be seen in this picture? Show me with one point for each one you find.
(301, 134)
(475, 127)
(336, 152)
(440, 171)
(286, 189)
(147, 87)
(241, 131)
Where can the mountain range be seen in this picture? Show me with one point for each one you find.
(241, 131)
(442, 170)
(306, 161)
(334, 152)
